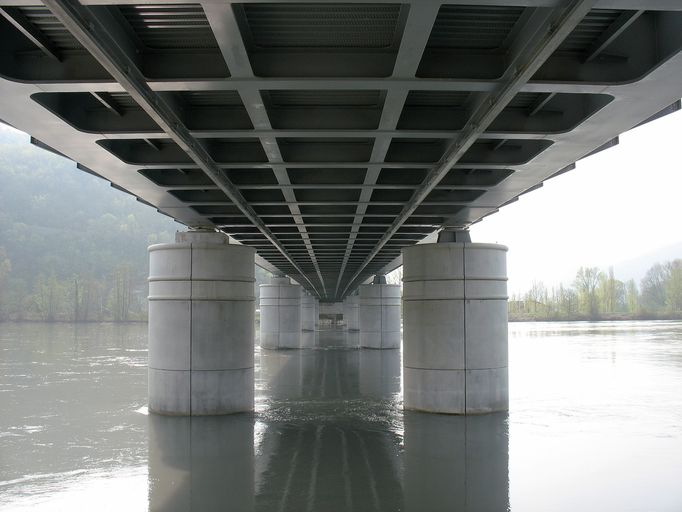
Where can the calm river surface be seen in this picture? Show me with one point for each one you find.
(595, 425)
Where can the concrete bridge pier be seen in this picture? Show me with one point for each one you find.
(455, 357)
(201, 325)
(280, 314)
(379, 314)
(351, 312)
(308, 310)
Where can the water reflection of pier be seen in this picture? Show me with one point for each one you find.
(329, 434)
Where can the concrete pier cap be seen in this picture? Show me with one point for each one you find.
(201, 325)
(455, 354)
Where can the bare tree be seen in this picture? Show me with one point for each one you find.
(121, 293)
(632, 297)
(586, 282)
(653, 288)
(673, 286)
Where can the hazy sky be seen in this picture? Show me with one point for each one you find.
(614, 206)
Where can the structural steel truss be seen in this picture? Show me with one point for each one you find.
(330, 135)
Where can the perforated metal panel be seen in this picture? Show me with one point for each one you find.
(169, 26)
(211, 98)
(322, 25)
(588, 30)
(470, 27)
(47, 24)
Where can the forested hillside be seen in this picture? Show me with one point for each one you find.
(71, 246)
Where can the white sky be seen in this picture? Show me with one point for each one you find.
(616, 205)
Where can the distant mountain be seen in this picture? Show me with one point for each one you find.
(67, 237)
(635, 268)
(55, 219)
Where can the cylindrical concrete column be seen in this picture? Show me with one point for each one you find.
(307, 312)
(280, 314)
(307, 321)
(351, 312)
(317, 314)
(380, 316)
(455, 328)
(201, 326)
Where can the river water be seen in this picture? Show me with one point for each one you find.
(595, 424)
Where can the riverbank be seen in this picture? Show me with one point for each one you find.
(615, 317)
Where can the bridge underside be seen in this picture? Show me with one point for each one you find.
(329, 136)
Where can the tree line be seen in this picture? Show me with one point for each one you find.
(119, 296)
(598, 295)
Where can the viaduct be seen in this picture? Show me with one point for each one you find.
(331, 142)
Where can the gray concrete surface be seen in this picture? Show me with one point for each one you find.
(308, 311)
(380, 316)
(201, 326)
(351, 312)
(280, 314)
(455, 353)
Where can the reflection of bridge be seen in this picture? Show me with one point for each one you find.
(328, 139)
(328, 438)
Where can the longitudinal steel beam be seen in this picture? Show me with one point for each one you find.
(226, 30)
(96, 37)
(544, 32)
(418, 26)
